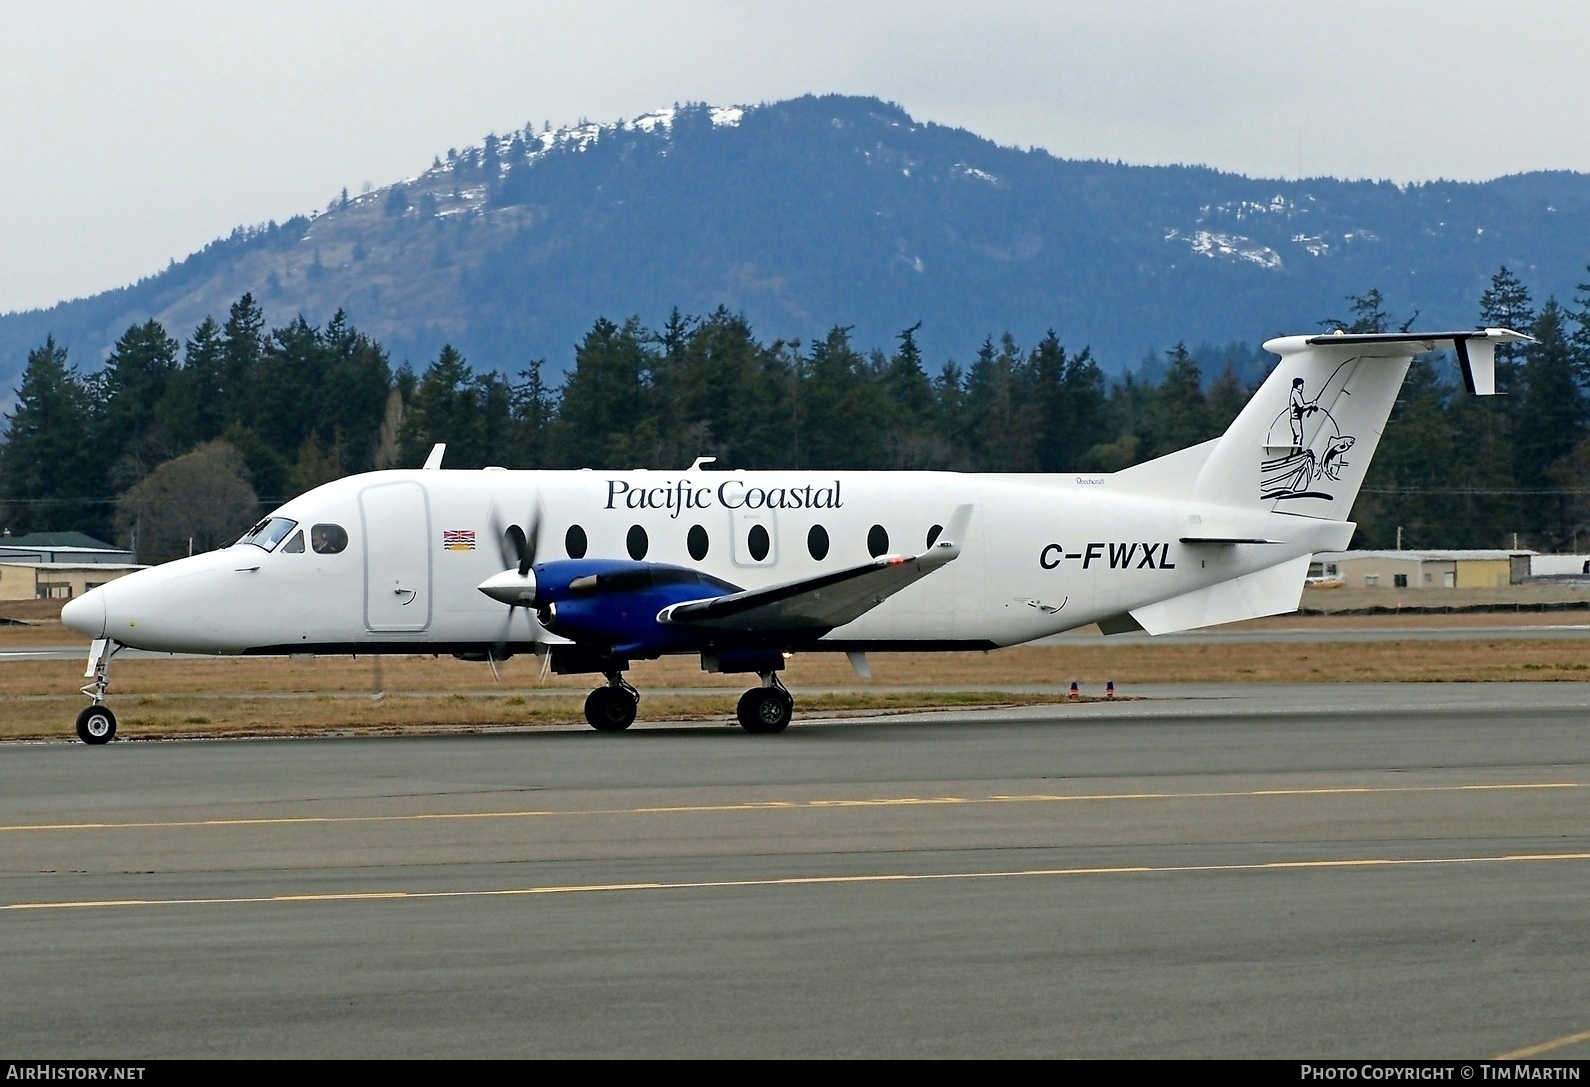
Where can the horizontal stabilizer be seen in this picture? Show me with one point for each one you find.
(1303, 442)
(1476, 349)
(1267, 592)
(1227, 541)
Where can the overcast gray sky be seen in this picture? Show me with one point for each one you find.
(132, 133)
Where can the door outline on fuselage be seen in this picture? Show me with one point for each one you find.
(419, 620)
(741, 522)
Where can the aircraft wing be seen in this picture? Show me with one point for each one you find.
(824, 602)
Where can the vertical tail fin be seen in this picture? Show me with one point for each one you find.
(1303, 443)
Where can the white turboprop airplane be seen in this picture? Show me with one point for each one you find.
(600, 568)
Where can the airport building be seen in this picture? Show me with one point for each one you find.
(58, 565)
(1461, 569)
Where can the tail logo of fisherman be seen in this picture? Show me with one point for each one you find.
(1303, 468)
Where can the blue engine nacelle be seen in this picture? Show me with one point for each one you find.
(614, 604)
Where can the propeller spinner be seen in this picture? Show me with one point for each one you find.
(515, 586)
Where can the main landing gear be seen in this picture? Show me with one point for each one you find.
(612, 708)
(766, 709)
(762, 710)
(97, 724)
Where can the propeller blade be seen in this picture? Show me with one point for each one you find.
(527, 556)
(494, 525)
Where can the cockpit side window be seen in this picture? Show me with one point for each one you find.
(328, 539)
(269, 532)
(294, 546)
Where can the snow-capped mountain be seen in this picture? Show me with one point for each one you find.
(825, 211)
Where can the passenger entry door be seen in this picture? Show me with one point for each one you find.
(397, 557)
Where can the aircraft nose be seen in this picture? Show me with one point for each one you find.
(86, 614)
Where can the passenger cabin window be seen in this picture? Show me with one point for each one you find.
(877, 540)
(817, 542)
(697, 542)
(636, 542)
(1399, 581)
(574, 542)
(294, 546)
(328, 539)
(269, 532)
(757, 542)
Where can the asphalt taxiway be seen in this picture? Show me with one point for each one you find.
(1309, 870)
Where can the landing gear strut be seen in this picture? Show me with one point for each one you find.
(766, 709)
(612, 708)
(97, 724)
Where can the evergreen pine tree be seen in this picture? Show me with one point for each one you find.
(843, 409)
(605, 404)
(1554, 406)
(130, 388)
(910, 404)
(48, 465)
(1506, 304)
(204, 364)
(534, 413)
(1177, 413)
(1414, 462)
(1579, 341)
(242, 339)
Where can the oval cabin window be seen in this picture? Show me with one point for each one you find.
(757, 542)
(877, 540)
(636, 542)
(817, 542)
(934, 533)
(697, 542)
(574, 542)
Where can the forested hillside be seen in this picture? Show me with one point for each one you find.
(804, 214)
(180, 444)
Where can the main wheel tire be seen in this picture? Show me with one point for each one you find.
(610, 709)
(96, 725)
(765, 710)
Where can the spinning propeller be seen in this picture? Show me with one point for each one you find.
(516, 585)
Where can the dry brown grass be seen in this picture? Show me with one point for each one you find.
(1092, 663)
(268, 696)
(153, 716)
(275, 696)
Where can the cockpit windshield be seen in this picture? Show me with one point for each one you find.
(269, 532)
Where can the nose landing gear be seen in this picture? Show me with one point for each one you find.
(766, 709)
(97, 724)
(612, 708)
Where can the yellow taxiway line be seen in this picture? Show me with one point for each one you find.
(789, 805)
(1544, 1047)
(813, 881)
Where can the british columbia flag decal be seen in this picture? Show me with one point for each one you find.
(458, 539)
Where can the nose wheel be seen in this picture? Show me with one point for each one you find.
(612, 708)
(766, 709)
(97, 724)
